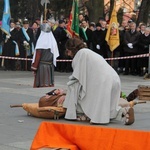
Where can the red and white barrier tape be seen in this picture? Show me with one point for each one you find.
(129, 57)
(65, 60)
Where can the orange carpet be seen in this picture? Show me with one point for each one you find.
(84, 137)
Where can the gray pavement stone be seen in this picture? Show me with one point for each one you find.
(16, 88)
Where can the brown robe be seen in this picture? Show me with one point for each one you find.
(51, 101)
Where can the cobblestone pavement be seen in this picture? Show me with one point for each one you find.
(17, 130)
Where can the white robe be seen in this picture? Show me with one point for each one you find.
(47, 40)
(94, 85)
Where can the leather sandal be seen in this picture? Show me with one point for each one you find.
(83, 118)
(129, 116)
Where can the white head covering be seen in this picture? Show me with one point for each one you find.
(47, 40)
(52, 20)
(46, 27)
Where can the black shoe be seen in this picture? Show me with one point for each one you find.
(133, 73)
(61, 71)
(141, 74)
(125, 73)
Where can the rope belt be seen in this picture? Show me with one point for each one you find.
(44, 62)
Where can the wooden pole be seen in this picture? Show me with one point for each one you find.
(112, 55)
(2, 63)
(149, 61)
(34, 83)
(15, 106)
(26, 61)
(45, 10)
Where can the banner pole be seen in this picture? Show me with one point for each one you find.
(112, 62)
(149, 61)
(45, 10)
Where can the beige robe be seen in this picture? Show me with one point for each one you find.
(94, 87)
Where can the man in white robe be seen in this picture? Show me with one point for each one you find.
(94, 87)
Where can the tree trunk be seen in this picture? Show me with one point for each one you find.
(143, 12)
(35, 10)
(95, 9)
(146, 17)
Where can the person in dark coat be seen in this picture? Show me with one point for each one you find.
(97, 39)
(26, 44)
(86, 34)
(118, 65)
(142, 28)
(131, 39)
(61, 37)
(122, 29)
(10, 46)
(36, 32)
(143, 49)
(99, 43)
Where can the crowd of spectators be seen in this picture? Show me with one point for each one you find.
(134, 40)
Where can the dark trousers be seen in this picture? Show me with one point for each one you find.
(130, 64)
(25, 64)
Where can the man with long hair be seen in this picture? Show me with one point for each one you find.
(94, 88)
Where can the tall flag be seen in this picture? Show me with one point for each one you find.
(6, 18)
(112, 35)
(73, 24)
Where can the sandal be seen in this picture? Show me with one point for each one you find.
(83, 118)
(129, 116)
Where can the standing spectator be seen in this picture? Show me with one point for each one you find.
(122, 29)
(86, 34)
(142, 28)
(100, 44)
(143, 49)
(131, 39)
(26, 45)
(81, 18)
(105, 47)
(44, 59)
(61, 37)
(101, 19)
(10, 47)
(97, 39)
(18, 26)
(52, 23)
(36, 32)
(123, 25)
(92, 26)
(38, 20)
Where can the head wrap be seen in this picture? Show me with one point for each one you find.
(45, 27)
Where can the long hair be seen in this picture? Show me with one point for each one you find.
(74, 45)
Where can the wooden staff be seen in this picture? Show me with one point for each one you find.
(26, 61)
(34, 83)
(2, 63)
(45, 10)
(149, 62)
(16, 105)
